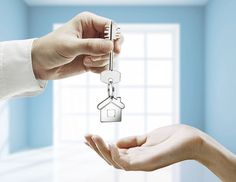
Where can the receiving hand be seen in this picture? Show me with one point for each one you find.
(157, 149)
(76, 47)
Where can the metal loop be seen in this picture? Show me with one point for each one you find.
(110, 89)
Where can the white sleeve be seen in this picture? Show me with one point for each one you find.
(16, 73)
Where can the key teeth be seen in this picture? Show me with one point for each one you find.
(115, 34)
(107, 32)
(107, 37)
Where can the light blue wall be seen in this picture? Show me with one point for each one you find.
(191, 20)
(221, 72)
(40, 119)
(13, 21)
(18, 128)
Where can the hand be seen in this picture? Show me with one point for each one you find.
(160, 148)
(76, 47)
(165, 146)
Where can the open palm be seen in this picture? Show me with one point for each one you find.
(157, 149)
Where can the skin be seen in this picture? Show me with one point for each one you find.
(165, 146)
(75, 48)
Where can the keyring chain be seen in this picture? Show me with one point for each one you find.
(110, 89)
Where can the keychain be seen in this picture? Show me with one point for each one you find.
(111, 107)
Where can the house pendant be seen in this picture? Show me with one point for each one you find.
(111, 110)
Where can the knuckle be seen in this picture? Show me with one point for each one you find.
(105, 47)
(98, 47)
(89, 45)
(85, 14)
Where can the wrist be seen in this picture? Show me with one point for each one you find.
(37, 68)
(217, 158)
(201, 146)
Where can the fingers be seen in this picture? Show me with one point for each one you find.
(118, 158)
(91, 46)
(92, 145)
(133, 159)
(70, 69)
(130, 161)
(93, 21)
(136, 159)
(134, 154)
(95, 46)
(132, 141)
(97, 70)
(92, 28)
(117, 44)
(104, 150)
(99, 146)
(74, 68)
(96, 61)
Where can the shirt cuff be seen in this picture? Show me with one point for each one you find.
(16, 72)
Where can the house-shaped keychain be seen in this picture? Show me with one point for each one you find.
(111, 109)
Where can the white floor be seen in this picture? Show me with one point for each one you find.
(69, 164)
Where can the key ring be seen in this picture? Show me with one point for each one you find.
(110, 89)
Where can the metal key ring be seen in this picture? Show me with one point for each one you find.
(110, 89)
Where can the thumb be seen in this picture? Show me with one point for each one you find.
(92, 46)
(132, 141)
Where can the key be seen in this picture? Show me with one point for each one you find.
(112, 32)
(111, 107)
(108, 76)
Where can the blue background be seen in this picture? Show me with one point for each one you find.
(221, 72)
(14, 25)
(208, 64)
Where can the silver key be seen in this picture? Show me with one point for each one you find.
(112, 32)
(111, 107)
(108, 76)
